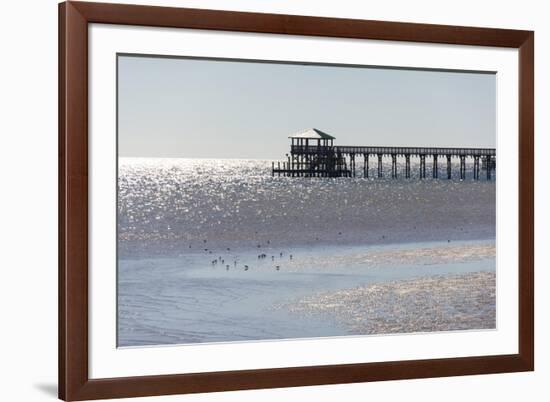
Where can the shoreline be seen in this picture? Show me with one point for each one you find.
(252, 248)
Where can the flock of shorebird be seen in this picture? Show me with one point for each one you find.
(221, 260)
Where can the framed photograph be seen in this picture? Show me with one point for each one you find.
(259, 200)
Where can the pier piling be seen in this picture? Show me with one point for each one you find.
(476, 167)
(394, 166)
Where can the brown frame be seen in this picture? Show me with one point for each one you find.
(74, 383)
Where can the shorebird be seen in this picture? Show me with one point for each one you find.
(246, 267)
(277, 267)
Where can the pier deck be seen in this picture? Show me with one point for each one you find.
(401, 151)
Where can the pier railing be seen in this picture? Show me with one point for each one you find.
(370, 150)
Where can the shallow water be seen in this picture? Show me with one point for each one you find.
(177, 216)
(188, 299)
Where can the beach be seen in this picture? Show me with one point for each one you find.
(220, 251)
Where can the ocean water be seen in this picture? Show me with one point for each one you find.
(207, 248)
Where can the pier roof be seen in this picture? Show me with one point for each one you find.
(312, 134)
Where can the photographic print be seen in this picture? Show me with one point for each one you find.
(263, 200)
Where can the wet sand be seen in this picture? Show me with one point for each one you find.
(352, 259)
(436, 303)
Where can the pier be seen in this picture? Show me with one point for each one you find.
(313, 154)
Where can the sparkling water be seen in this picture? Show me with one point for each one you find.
(208, 248)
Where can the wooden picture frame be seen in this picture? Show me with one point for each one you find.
(74, 381)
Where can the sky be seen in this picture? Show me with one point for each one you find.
(187, 108)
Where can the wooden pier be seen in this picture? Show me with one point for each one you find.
(313, 154)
